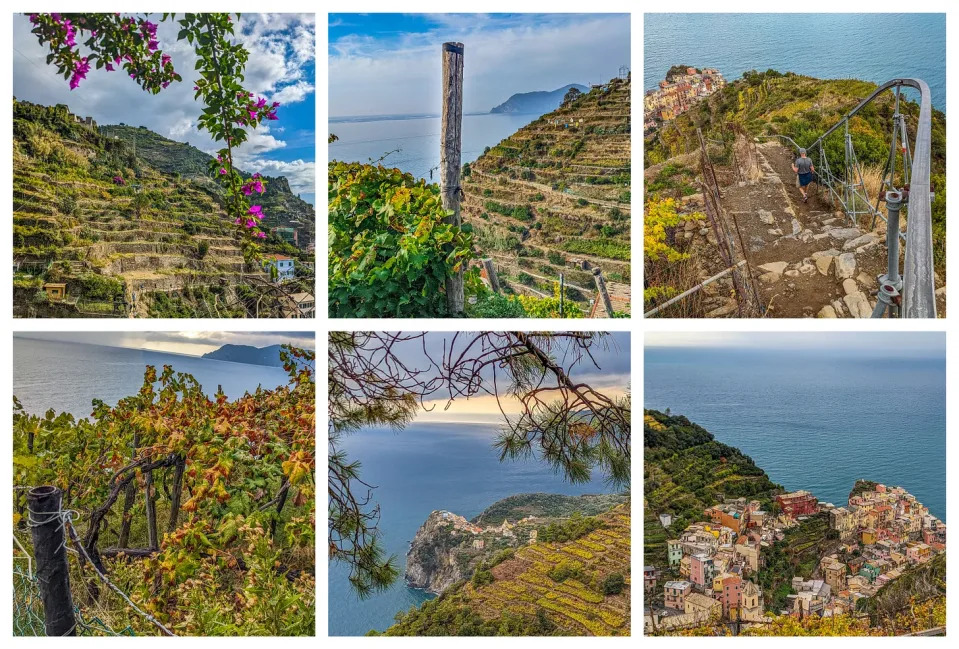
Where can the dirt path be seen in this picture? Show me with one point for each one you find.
(807, 260)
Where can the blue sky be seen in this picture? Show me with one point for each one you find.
(281, 67)
(390, 63)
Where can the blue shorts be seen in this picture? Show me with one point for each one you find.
(805, 179)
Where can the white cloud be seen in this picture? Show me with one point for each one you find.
(293, 93)
(502, 57)
(300, 173)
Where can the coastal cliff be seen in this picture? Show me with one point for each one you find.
(448, 548)
(432, 561)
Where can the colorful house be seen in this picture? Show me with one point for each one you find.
(282, 264)
(674, 552)
(701, 570)
(798, 503)
(674, 594)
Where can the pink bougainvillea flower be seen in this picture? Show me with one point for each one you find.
(219, 158)
(250, 223)
(276, 104)
(261, 235)
(272, 116)
(196, 87)
(222, 171)
(238, 221)
(80, 69)
(109, 67)
(256, 211)
(261, 103)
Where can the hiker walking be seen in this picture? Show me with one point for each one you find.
(803, 166)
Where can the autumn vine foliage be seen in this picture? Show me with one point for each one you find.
(115, 43)
(202, 510)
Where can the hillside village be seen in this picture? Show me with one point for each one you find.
(119, 222)
(682, 89)
(712, 576)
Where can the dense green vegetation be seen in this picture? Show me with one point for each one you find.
(569, 530)
(803, 108)
(797, 555)
(281, 207)
(685, 471)
(516, 507)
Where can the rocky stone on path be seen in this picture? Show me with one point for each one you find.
(820, 237)
(776, 267)
(776, 232)
(726, 309)
(704, 231)
(827, 312)
(807, 269)
(845, 265)
(862, 240)
(867, 281)
(690, 226)
(837, 307)
(806, 236)
(797, 228)
(791, 273)
(858, 305)
(823, 259)
(850, 286)
(766, 217)
(844, 233)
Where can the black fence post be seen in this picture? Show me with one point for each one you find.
(50, 552)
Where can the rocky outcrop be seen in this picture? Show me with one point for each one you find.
(431, 561)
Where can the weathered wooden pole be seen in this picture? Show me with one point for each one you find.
(50, 552)
(601, 287)
(153, 540)
(491, 274)
(562, 295)
(451, 127)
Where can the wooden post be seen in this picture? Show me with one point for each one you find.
(562, 295)
(50, 552)
(451, 126)
(601, 287)
(152, 536)
(491, 274)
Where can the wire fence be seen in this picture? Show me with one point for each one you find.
(28, 611)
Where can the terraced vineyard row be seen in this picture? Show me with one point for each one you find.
(555, 196)
(577, 605)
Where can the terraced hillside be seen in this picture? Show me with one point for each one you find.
(281, 207)
(555, 196)
(685, 470)
(125, 238)
(581, 587)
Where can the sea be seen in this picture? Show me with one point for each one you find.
(411, 143)
(427, 467)
(872, 47)
(813, 420)
(68, 376)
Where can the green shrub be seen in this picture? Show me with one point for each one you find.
(390, 249)
(613, 584)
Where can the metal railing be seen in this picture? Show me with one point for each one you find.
(911, 293)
